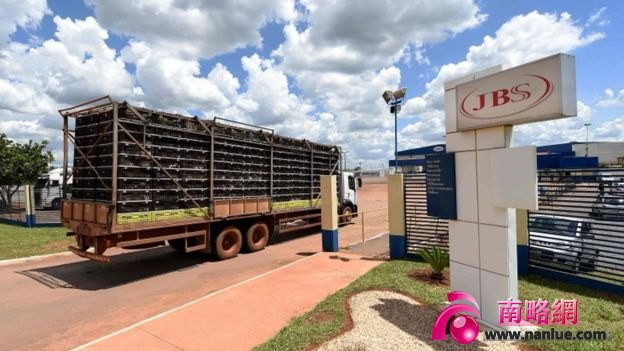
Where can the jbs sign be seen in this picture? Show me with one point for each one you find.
(536, 91)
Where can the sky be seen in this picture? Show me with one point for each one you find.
(312, 69)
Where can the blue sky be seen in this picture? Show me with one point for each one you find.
(322, 81)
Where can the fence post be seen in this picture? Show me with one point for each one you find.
(363, 236)
(522, 240)
(329, 213)
(396, 216)
(30, 213)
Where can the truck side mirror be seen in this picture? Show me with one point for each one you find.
(359, 182)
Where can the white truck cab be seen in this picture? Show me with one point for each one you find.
(49, 189)
(348, 208)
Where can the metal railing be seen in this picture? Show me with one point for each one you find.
(579, 228)
(362, 226)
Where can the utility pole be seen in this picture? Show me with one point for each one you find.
(394, 100)
(587, 138)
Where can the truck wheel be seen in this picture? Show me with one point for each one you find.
(347, 215)
(257, 237)
(56, 204)
(228, 243)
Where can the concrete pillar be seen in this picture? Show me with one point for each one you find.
(522, 239)
(329, 213)
(396, 216)
(483, 238)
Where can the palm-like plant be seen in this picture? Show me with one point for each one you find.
(437, 258)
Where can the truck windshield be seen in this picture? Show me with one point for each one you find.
(557, 226)
(41, 183)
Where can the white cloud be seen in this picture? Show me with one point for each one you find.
(37, 79)
(353, 36)
(521, 39)
(195, 28)
(267, 101)
(171, 82)
(555, 131)
(611, 99)
(597, 18)
(324, 83)
(342, 55)
(76, 66)
(23, 13)
(610, 130)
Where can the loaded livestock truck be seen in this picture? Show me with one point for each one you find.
(143, 177)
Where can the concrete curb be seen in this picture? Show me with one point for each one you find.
(15, 261)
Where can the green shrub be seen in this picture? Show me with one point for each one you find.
(437, 258)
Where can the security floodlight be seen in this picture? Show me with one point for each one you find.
(394, 99)
(387, 96)
(395, 108)
(399, 94)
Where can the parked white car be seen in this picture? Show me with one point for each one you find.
(565, 240)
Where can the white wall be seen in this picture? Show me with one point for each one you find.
(607, 152)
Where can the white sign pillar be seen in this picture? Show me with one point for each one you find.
(491, 178)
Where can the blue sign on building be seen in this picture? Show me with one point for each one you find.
(441, 189)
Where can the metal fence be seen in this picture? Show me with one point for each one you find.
(13, 205)
(47, 200)
(44, 205)
(579, 228)
(421, 230)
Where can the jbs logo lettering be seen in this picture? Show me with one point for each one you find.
(505, 102)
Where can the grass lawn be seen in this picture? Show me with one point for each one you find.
(597, 310)
(17, 241)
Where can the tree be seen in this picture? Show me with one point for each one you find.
(21, 164)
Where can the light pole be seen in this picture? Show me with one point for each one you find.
(394, 99)
(587, 138)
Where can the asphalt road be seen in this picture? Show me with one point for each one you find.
(63, 302)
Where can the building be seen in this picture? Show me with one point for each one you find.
(371, 173)
(413, 160)
(567, 155)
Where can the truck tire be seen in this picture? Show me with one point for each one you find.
(257, 237)
(346, 215)
(228, 243)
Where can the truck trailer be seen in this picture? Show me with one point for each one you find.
(143, 177)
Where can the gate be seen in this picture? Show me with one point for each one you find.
(579, 228)
(421, 230)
